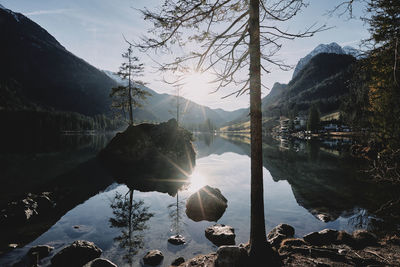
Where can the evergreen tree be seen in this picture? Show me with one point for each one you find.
(128, 97)
(313, 119)
(384, 67)
(235, 37)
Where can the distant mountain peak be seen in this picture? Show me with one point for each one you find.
(332, 48)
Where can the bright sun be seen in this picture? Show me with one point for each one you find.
(197, 181)
(198, 86)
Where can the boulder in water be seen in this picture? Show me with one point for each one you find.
(147, 150)
(206, 204)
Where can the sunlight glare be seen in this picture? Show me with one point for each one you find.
(198, 86)
(196, 181)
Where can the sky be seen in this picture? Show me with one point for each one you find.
(93, 30)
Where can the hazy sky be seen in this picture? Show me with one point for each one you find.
(92, 30)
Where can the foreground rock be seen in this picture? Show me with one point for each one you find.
(99, 262)
(206, 204)
(231, 256)
(177, 240)
(34, 255)
(39, 252)
(153, 257)
(299, 252)
(77, 254)
(178, 261)
(323, 237)
(24, 210)
(279, 233)
(163, 151)
(221, 234)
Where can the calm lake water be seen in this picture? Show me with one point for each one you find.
(310, 185)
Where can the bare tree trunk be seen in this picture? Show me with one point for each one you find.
(130, 89)
(177, 105)
(260, 250)
(130, 212)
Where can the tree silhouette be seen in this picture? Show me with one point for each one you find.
(127, 97)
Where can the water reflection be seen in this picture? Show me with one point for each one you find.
(176, 215)
(302, 182)
(131, 216)
(326, 181)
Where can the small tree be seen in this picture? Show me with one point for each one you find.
(313, 118)
(129, 96)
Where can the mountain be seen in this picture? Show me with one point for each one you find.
(322, 81)
(161, 108)
(38, 73)
(36, 70)
(332, 48)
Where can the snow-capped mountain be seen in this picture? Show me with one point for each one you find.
(332, 48)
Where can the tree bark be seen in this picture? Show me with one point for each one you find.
(130, 88)
(260, 250)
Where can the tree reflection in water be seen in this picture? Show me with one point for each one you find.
(175, 213)
(131, 216)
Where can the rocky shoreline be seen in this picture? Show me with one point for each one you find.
(324, 248)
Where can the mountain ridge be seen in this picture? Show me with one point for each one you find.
(36, 71)
(332, 48)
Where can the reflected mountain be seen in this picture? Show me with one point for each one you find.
(208, 144)
(325, 180)
(131, 217)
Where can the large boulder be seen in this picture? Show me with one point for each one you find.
(153, 257)
(220, 234)
(78, 253)
(279, 233)
(147, 150)
(206, 204)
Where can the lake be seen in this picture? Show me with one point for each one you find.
(310, 185)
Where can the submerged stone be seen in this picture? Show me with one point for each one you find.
(206, 204)
(177, 240)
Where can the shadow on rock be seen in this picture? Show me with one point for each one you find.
(151, 157)
(206, 204)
